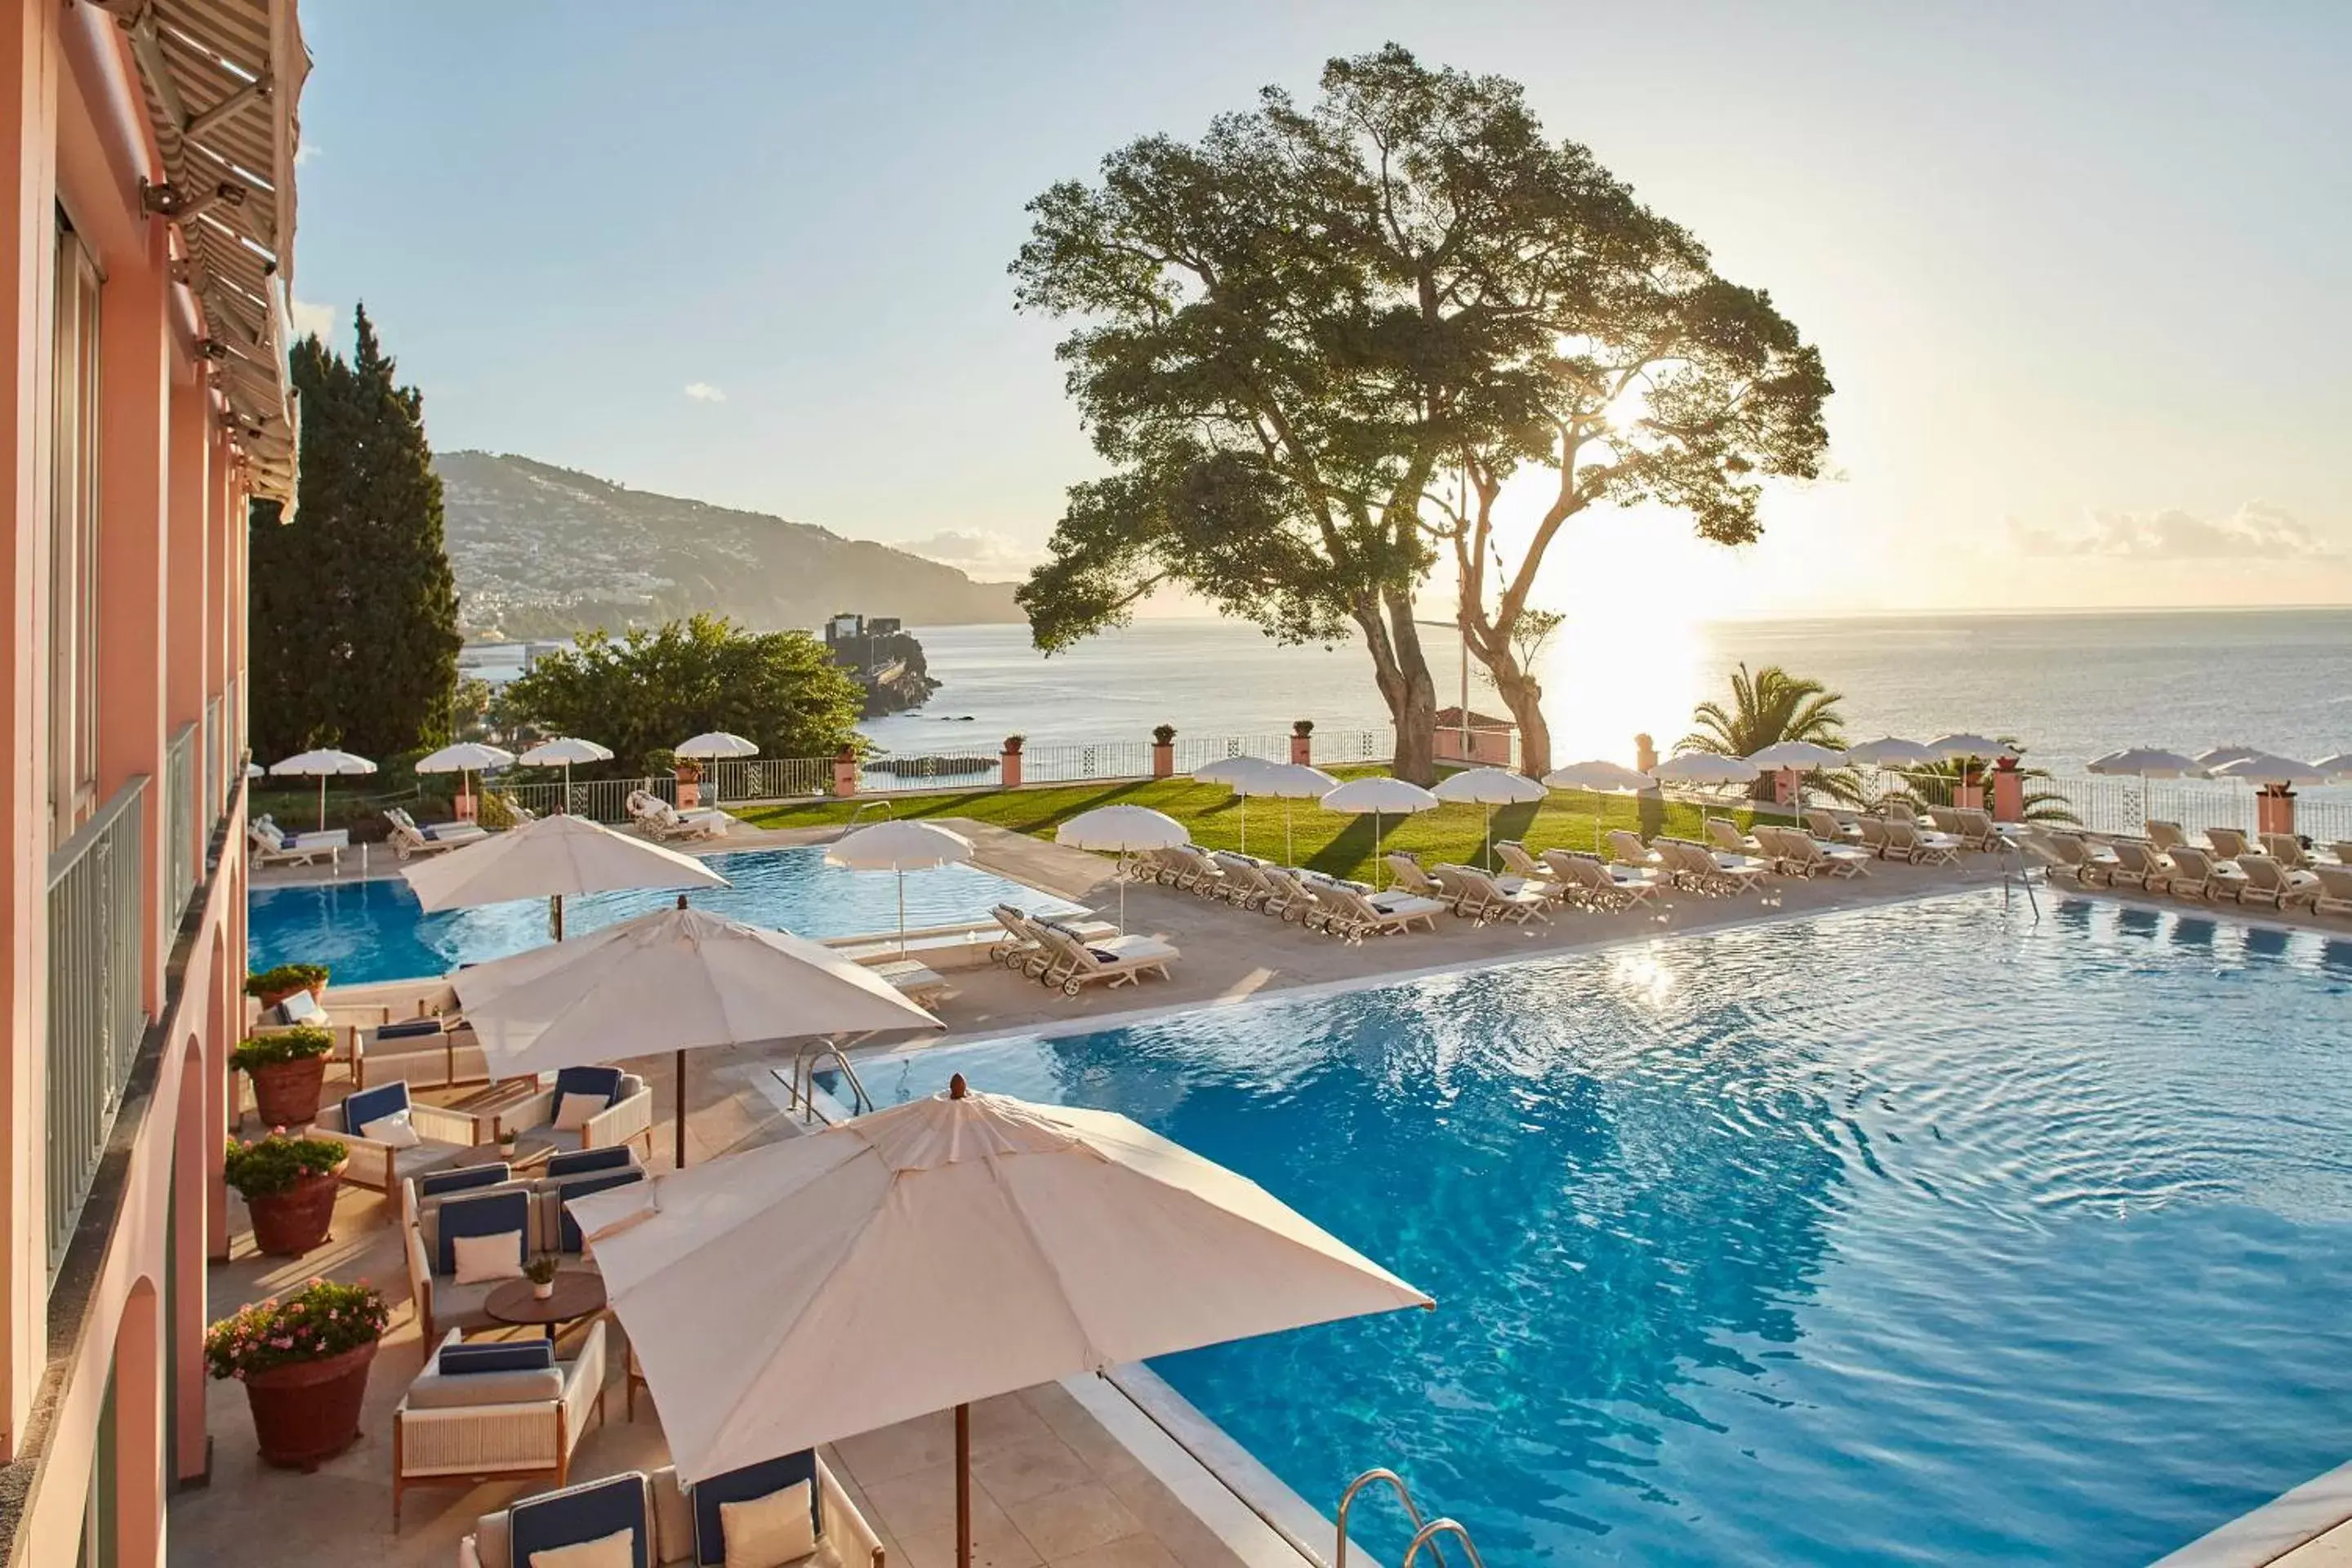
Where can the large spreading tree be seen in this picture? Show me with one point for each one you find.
(1316, 344)
(353, 613)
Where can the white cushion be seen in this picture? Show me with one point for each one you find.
(769, 1531)
(572, 1111)
(612, 1550)
(393, 1131)
(483, 1258)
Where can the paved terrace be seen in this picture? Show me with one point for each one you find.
(1060, 1482)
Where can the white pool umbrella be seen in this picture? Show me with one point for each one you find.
(467, 757)
(1288, 782)
(1488, 788)
(1122, 831)
(2337, 768)
(2266, 768)
(322, 764)
(1785, 754)
(1964, 745)
(1891, 752)
(901, 846)
(1597, 776)
(2145, 763)
(255, 770)
(1377, 797)
(550, 857)
(717, 745)
(1236, 773)
(1707, 768)
(563, 751)
(940, 1252)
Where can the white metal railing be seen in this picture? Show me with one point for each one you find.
(599, 800)
(779, 778)
(216, 764)
(181, 854)
(97, 1003)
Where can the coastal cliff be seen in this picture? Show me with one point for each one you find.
(886, 659)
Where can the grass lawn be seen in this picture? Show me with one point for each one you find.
(1341, 846)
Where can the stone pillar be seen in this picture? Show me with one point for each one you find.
(845, 773)
(2008, 792)
(689, 789)
(1968, 793)
(1009, 763)
(2274, 809)
(464, 804)
(1302, 743)
(1645, 754)
(1784, 787)
(1163, 756)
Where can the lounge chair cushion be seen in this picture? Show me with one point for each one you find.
(505, 1355)
(369, 1105)
(602, 1083)
(585, 1513)
(392, 1131)
(486, 1214)
(299, 1008)
(482, 1258)
(617, 1550)
(581, 1160)
(580, 1186)
(752, 1481)
(769, 1531)
(438, 1389)
(465, 1179)
(572, 1111)
(412, 1028)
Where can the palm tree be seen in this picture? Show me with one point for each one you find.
(1767, 708)
(1938, 785)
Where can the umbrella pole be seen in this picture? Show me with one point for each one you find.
(556, 914)
(322, 803)
(964, 1486)
(902, 911)
(1379, 865)
(1245, 825)
(1122, 901)
(680, 1147)
(1487, 839)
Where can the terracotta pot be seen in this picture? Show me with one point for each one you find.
(309, 1412)
(286, 1093)
(289, 1224)
(318, 990)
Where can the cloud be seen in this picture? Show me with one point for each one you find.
(982, 554)
(703, 392)
(307, 317)
(2256, 531)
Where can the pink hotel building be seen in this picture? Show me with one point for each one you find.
(145, 248)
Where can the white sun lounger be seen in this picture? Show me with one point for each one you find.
(1113, 961)
(1479, 897)
(2335, 890)
(1601, 885)
(1352, 912)
(273, 846)
(2280, 887)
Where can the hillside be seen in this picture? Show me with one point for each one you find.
(540, 551)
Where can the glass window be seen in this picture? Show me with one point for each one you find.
(73, 542)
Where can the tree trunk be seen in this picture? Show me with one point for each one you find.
(1522, 694)
(1400, 669)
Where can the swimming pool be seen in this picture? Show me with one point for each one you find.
(374, 930)
(1926, 1234)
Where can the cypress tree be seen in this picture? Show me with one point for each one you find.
(355, 611)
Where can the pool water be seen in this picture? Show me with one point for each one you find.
(1930, 1234)
(374, 930)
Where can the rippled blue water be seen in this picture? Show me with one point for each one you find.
(1927, 1235)
(374, 931)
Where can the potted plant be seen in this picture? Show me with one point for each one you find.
(289, 1185)
(1013, 743)
(1302, 728)
(272, 986)
(540, 1271)
(1163, 734)
(287, 1067)
(304, 1363)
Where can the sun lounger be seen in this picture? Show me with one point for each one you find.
(2195, 875)
(1829, 829)
(1975, 828)
(1919, 846)
(409, 840)
(2229, 843)
(1354, 911)
(273, 846)
(1711, 871)
(1406, 876)
(2286, 849)
(2166, 836)
(2137, 866)
(658, 819)
(1115, 961)
(1023, 947)
(2280, 887)
(2069, 855)
(1725, 834)
(1288, 898)
(1480, 897)
(1241, 883)
(1189, 868)
(1626, 848)
(1600, 885)
(2343, 847)
(1800, 854)
(2335, 896)
(915, 980)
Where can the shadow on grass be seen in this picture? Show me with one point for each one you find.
(1350, 850)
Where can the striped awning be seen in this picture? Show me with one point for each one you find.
(223, 79)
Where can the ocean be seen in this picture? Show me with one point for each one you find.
(2068, 686)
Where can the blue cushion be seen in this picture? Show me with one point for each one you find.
(489, 1213)
(572, 1241)
(574, 1161)
(409, 1030)
(583, 1513)
(426, 832)
(741, 1485)
(605, 1081)
(434, 1183)
(508, 1355)
(374, 1104)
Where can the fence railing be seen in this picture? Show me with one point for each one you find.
(217, 762)
(97, 1004)
(780, 778)
(599, 800)
(182, 856)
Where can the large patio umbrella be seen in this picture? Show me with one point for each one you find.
(552, 857)
(901, 846)
(1122, 831)
(938, 1253)
(1792, 758)
(467, 757)
(2337, 768)
(2145, 763)
(675, 980)
(1377, 797)
(1236, 773)
(563, 751)
(323, 764)
(2267, 768)
(1890, 753)
(1488, 788)
(1288, 782)
(2217, 757)
(1707, 768)
(1961, 747)
(716, 745)
(1598, 777)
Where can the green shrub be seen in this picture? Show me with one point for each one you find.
(541, 1269)
(323, 1318)
(272, 1166)
(285, 979)
(299, 1044)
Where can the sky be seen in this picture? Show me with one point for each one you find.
(2079, 272)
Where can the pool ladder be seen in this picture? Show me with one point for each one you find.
(801, 1087)
(1426, 1532)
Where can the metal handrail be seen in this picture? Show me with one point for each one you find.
(1428, 1535)
(863, 807)
(1425, 1531)
(802, 1085)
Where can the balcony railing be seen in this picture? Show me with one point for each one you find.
(181, 855)
(217, 761)
(97, 1005)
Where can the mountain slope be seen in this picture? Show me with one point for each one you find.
(540, 551)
